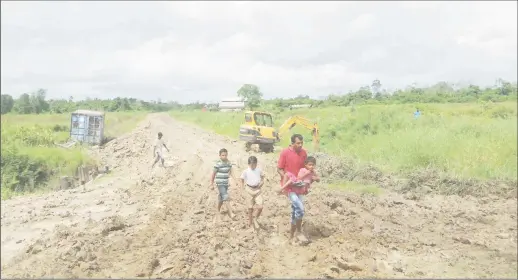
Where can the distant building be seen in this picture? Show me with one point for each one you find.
(298, 106)
(232, 104)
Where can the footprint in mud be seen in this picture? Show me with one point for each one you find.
(316, 231)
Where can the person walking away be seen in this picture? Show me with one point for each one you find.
(292, 160)
(302, 182)
(158, 153)
(252, 179)
(417, 113)
(220, 175)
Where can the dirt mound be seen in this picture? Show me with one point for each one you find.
(127, 151)
(174, 233)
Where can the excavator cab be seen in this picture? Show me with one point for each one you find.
(258, 129)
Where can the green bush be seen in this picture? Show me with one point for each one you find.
(29, 158)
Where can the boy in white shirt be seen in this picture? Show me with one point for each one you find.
(158, 152)
(252, 179)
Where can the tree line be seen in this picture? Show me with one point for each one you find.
(442, 92)
(36, 103)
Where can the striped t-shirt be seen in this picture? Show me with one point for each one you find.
(222, 169)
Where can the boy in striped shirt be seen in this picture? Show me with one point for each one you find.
(220, 175)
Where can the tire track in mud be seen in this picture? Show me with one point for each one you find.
(159, 223)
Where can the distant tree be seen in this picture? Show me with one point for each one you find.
(251, 94)
(7, 103)
(376, 88)
(442, 87)
(37, 101)
(505, 88)
(473, 90)
(364, 93)
(22, 105)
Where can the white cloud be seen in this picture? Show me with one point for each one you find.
(197, 50)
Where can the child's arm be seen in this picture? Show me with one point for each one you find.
(243, 178)
(262, 179)
(213, 176)
(165, 147)
(233, 175)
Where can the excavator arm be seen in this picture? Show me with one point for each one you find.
(298, 120)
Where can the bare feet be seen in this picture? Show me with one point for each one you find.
(302, 238)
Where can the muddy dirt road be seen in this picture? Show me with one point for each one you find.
(139, 222)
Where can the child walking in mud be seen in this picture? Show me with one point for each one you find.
(252, 179)
(220, 175)
(158, 151)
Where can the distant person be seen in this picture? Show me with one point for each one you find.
(291, 160)
(417, 113)
(252, 179)
(302, 182)
(220, 175)
(158, 151)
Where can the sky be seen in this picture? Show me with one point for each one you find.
(205, 51)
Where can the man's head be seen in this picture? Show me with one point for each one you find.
(252, 162)
(297, 141)
(223, 154)
(310, 163)
(159, 135)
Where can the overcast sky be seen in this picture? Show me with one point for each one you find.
(188, 51)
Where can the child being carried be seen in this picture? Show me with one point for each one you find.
(303, 179)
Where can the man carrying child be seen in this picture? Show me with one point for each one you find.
(291, 161)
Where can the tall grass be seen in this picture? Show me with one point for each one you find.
(30, 158)
(467, 140)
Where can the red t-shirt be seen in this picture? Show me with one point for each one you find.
(291, 161)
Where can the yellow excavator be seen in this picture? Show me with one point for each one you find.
(258, 130)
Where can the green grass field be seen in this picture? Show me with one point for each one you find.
(30, 159)
(464, 140)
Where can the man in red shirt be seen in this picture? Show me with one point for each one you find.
(292, 160)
